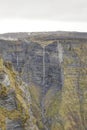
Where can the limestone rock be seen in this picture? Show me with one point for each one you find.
(15, 101)
(54, 65)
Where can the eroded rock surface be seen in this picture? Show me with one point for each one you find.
(55, 68)
(15, 101)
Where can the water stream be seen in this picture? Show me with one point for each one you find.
(17, 61)
(42, 100)
(59, 52)
(43, 65)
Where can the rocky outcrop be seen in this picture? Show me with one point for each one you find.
(15, 101)
(54, 67)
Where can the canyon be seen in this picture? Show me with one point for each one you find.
(53, 66)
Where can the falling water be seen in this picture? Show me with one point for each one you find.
(17, 61)
(60, 59)
(43, 65)
(42, 101)
(59, 52)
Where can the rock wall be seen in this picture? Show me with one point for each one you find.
(28, 59)
(15, 101)
(56, 73)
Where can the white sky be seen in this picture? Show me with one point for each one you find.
(43, 15)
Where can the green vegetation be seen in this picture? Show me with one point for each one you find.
(35, 92)
(65, 109)
(22, 111)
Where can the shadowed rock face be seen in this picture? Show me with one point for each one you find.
(37, 64)
(15, 101)
(53, 68)
(56, 71)
(14, 125)
(8, 102)
(28, 58)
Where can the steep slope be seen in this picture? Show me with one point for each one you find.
(73, 110)
(55, 68)
(68, 108)
(15, 101)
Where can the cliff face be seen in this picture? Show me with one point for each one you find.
(15, 101)
(54, 67)
(73, 108)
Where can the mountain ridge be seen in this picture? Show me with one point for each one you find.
(62, 34)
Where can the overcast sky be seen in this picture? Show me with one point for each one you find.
(43, 15)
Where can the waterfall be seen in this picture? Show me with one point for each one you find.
(59, 52)
(60, 59)
(43, 65)
(17, 61)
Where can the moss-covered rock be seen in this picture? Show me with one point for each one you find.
(15, 109)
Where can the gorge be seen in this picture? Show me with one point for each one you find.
(53, 66)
